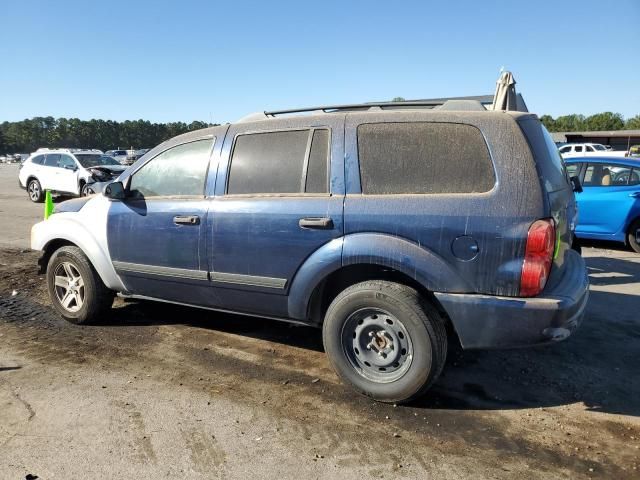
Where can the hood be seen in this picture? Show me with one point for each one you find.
(73, 205)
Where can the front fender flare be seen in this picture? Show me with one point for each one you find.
(87, 230)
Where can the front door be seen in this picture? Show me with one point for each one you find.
(67, 175)
(605, 201)
(155, 235)
(279, 197)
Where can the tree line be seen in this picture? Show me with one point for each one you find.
(597, 122)
(28, 135)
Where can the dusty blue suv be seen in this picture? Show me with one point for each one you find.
(396, 228)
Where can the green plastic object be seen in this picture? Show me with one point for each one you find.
(48, 205)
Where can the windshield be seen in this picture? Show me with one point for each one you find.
(88, 160)
(598, 147)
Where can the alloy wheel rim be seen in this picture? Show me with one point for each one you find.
(69, 286)
(377, 345)
(34, 190)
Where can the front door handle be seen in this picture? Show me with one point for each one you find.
(186, 220)
(635, 194)
(320, 223)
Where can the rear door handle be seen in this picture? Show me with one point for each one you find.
(186, 220)
(320, 223)
(635, 194)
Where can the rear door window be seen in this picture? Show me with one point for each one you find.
(578, 148)
(610, 175)
(423, 158)
(286, 162)
(52, 159)
(38, 160)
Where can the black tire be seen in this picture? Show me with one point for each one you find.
(96, 298)
(424, 331)
(34, 190)
(633, 234)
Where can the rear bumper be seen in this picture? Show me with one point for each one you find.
(485, 321)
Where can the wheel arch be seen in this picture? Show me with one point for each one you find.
(51, 234)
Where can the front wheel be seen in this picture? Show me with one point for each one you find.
(75, 288)
(34, 189)
(385, 339)
(87, 190)
(633, 236)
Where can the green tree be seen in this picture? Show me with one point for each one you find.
(633, 123)
(549, 122)
(398, 99)
(569, 123)
(604, 121)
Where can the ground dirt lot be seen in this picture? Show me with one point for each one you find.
(158, 391)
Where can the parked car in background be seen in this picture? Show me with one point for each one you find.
(609, 204)
(634, 151)
(588, 149)
(119, 155)
(390, 229)
(67, 171)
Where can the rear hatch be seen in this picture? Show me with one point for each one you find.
(560, 202)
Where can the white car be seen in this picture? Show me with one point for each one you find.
(588, 150)
(67, 171)
(119, 155)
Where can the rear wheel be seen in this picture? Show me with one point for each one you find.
(385, 340)
(75, 288)
(633, 235)
(35, 191)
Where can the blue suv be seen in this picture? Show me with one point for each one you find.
(394, 227)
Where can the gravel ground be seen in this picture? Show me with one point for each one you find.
(158, 391)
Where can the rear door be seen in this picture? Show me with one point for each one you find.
(274, 206)
(608, 195)
(155, 235)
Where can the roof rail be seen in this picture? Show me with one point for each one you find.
(360, 106)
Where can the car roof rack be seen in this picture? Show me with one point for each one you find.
(357, 106)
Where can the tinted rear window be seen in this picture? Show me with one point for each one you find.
(421, 157)
(39, 160)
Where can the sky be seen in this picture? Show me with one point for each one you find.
(218, 61)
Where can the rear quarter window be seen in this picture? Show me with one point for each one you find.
(551, 167)
(423, 158)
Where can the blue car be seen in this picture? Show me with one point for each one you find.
(609, 204)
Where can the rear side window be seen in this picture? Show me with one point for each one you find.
(38, 160)
(52, 159)
(603, 175)
(178, 171)
(551, 167)
(421, 157)
(292, 161)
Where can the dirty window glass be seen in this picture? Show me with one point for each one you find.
(317, 172)
(401, 158)
(179, 171)
(268, 162)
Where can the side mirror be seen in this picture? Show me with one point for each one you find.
(575, 183)
(115, 191)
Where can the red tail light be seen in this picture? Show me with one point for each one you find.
(538, 256)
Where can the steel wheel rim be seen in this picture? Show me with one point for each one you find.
(88, 191)
(69, 286)
(377, 345)
(34, 191)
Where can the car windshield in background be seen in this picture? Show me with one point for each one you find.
(599, 147)
(88, 160)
